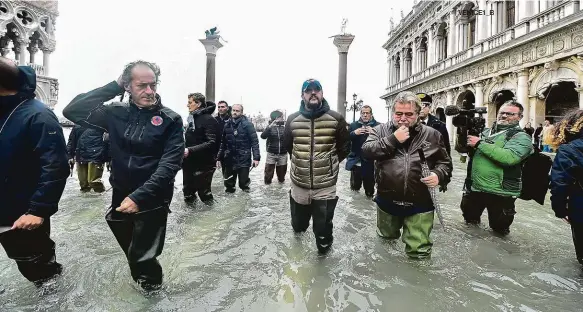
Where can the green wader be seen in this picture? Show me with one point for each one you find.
(90, 177)
(416, 231)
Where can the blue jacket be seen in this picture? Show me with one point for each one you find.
(238, 142)
(146, 145)
(355, 155)
(567, 180)
(87, 145)
(33, 154)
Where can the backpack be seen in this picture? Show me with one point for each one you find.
(535, 174)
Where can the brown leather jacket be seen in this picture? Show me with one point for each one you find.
(398, 165)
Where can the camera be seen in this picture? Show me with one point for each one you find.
(467, 124)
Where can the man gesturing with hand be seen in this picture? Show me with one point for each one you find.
(403, 197)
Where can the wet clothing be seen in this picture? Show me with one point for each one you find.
(34, 169)
(567, 189)
(495, 181)
(315, 162)
(361, 169)
(147, 148)
(90, 150)
(202, 141)
(416, 231)
(317, 141)
(403, 200)
(276, 160)
(239, 146)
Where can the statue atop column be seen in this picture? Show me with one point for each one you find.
(343, 27)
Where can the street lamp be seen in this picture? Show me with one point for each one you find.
(356, 106)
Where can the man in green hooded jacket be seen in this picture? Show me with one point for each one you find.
(495, 180)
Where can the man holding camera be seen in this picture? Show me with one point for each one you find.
(495, 179)
(276, 152)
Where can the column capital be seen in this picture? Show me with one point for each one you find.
(343, 42)
(522, 72)
(478, 84)
(211, 46)
(21, 41)
(48, 47)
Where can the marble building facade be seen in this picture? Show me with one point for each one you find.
(27, 35)
(483, 53)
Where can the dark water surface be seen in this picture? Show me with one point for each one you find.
(241, 255)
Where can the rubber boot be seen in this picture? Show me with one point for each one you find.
(300, 215)
(416, 235)
(323, 214)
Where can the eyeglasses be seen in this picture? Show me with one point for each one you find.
(407, 114)
(507, 114)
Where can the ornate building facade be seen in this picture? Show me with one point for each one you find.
(483, 53)
(27, 35)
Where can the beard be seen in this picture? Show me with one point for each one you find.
(312, 105)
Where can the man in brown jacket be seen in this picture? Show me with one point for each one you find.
(403, 198)
(317, 140)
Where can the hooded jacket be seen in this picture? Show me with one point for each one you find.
(567, 180)
(33, 154)
(202, 138)
(317, 141)
(87, 145)
(146, 144)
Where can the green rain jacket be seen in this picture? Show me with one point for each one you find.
(497, 163)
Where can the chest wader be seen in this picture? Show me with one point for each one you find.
(141, 236)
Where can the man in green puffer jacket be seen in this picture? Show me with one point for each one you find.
(495, 180)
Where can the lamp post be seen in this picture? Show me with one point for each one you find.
(356, 106)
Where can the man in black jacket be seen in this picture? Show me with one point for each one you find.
(426, 118)
(202, 144)
(239, 151)
(34, 171)
(276, 160)
(88, 148)
(147, 147)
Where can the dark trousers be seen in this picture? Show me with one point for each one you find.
(197, 182)
(270, 169)
(231, 175)
(501, 210)
(141, 236)
(33, 251)
(359, 177)
(577, 231)
(322, 213)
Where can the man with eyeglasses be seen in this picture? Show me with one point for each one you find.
(361, 169)
(399, 148)
(496, 174)
(147, 148)
(317, 140)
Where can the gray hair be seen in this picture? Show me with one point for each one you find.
(408, 97)
(127, 71)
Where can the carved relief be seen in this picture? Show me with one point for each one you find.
(527, 55)
(552, 65)
(501, 64)
(577, 39)
(541, 51)
(533, 72)
(491, 67)
(558, 45)
(514, 60)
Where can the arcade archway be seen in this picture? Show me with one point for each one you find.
(560, 98)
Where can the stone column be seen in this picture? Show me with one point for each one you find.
(212, 44)
(580, 90)
(415, 56)
(482, 22)
(403, 69)
(32, 49)
(522, 94)
(494, 18)
(46, 60)
(449, 119)
(4, 42)
(342, 42)
(479, 86)
(390, 71)
(451, 35)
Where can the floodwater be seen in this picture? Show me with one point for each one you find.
(241, 255)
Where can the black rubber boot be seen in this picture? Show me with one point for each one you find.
(300, 216)
(323, 213)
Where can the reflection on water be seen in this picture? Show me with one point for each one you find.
(241, 255)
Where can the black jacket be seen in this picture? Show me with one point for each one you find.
(438, 125)
(33, 154)
(221, 120)
(147, 145)
(202, 139)
(567, 181)
(274, 136)
(87, 145)
(238, 142)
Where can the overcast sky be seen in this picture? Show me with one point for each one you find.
(272, 47)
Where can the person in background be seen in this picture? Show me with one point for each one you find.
(34, 169)
(567, 176)
(547, 136)
(361, 169)
(89, 149)
(239, 151)
(537, 136)
(276, 160)
(202, 144)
